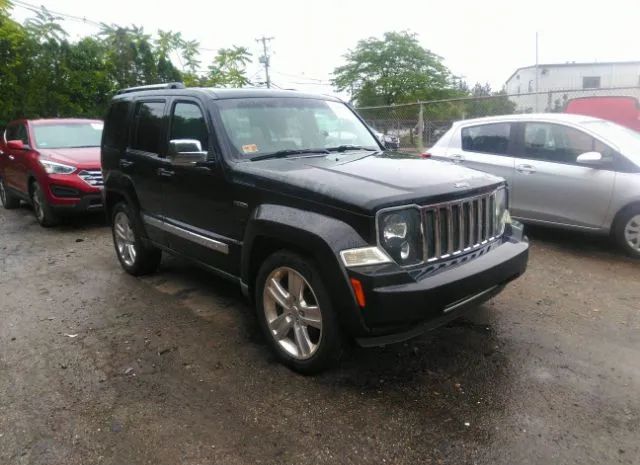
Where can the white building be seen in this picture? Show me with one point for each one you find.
(558, 83)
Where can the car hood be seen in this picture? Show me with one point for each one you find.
(84, 157)
(365, 183)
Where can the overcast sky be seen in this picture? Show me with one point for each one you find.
(482, 41)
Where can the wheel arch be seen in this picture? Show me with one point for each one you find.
(119, 189)
(621, 212)
(319, 237)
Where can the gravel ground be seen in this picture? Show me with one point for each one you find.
(98, 367)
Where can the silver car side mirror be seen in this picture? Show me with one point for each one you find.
(590, 158)
(186, 152)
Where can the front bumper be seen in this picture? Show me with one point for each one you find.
(401, 304)
(86, 203)
(70, 193)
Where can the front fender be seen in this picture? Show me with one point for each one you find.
(319, 236)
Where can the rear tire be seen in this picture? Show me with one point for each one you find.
(136, 257)
(627, 231)
(296, 314)
(43, 211)
(9, 201)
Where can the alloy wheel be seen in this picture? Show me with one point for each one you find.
(125, 239)
(632, 232)
(37, 204)
(292, 312)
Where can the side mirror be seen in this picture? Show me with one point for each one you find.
(186, 152)
(17, 145)
(590, 158)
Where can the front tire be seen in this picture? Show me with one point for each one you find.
(134, 255)
(296, 314)
(43, 211)
(9, 201)
(627, 231)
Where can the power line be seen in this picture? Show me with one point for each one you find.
(302, 76)
(265, 59)
(79, 19)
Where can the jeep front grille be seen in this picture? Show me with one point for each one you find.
(92, 177)
(460, 226)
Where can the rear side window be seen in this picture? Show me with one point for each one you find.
(148, 127)
(488, 138)
(115, 127)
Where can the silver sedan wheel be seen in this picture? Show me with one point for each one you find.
(125, 239)
(292, 312)
(632, 232)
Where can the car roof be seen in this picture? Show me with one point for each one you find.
(220, 94)
(44, 121)
(549, 117)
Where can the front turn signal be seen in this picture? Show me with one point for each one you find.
(359, 292)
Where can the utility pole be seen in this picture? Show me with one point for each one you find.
(536, 71)
(265, 59)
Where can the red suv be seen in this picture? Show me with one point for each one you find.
(53, 164)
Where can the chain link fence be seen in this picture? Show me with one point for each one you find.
(417, 126)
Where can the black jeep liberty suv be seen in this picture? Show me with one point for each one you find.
(292, 196)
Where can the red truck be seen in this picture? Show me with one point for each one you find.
(620, 109)
(52, 164)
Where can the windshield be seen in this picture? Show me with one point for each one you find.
(259, 126)
(68, 135)
(625, 139)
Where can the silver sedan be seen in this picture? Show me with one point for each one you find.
(566, 171)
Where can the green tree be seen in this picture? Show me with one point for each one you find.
(391, 70)
(13, 40)
(46, 27)
(44, 74)
(229, 68)
(487, 102)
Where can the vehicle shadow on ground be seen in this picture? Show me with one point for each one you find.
(68, 223)
(577, 243)
(466, 352)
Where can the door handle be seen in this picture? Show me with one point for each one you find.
(457, 158)
(525, 169)
(125, 163)
(166, 173)
(11, 157)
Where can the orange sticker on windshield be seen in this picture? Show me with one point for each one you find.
(250, 148)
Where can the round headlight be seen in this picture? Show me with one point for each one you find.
(401, 235)
(395, 227)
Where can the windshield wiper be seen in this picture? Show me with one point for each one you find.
(288, 152)
(344, 148)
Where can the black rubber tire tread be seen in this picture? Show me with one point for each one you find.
(9, 201)
(618, 230)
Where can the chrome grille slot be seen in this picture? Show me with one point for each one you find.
(460, 226)
(92, 177)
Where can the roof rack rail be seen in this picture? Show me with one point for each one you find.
(169, 85)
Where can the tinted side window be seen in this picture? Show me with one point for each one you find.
(488, 138)
(556, 143)
(115, 127)
(10, 133)
(148, 124)
(17, 132)
(188, 122)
